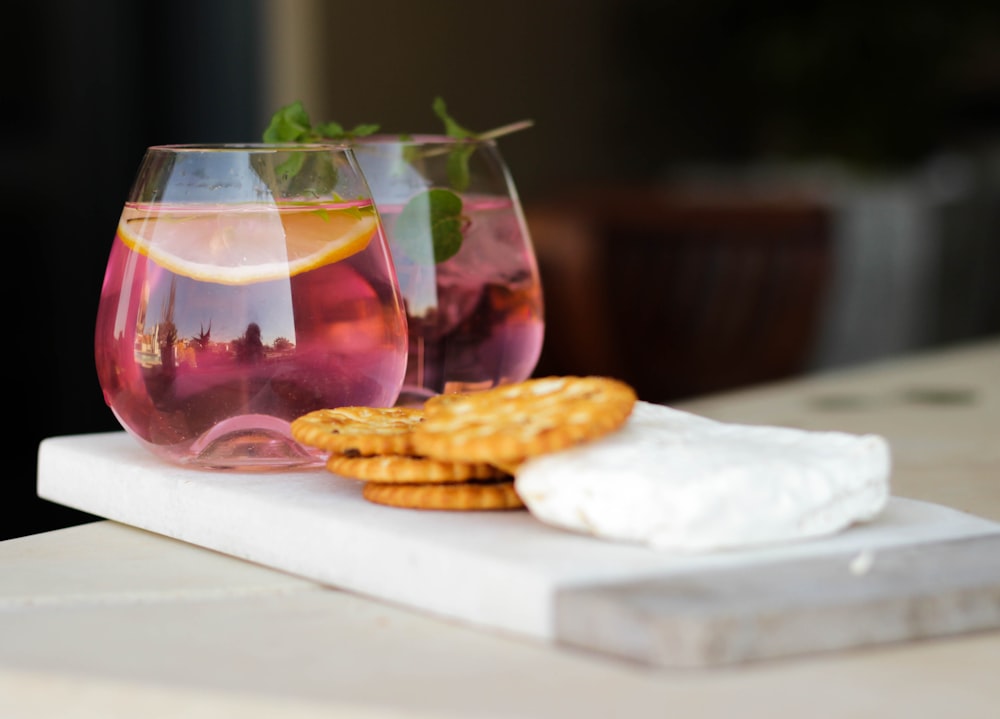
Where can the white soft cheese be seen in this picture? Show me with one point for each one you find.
(680, 482)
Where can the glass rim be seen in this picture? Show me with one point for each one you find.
(258, 147)
(418, 140)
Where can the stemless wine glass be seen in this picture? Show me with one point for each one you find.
(464, 258)
(246, 285)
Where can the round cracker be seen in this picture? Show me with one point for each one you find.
(460, 497)
(363, 431)
(396, 468)
(507, 424)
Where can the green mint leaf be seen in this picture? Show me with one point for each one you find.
(410, 154)
(363, 130)
(303, 175)
(451, 128)
(458, 166)
(458, 157)
(336, 131)
(291, 167)
(330, 130)
(289, 124)
(435, 217)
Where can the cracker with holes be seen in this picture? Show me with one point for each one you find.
(505, 425)
(359, 431)
(399, 468)
(471, 496)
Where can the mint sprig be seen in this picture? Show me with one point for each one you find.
(291, 124)
(437, 210)
(451, 127)
(459, 154)
(434, 215)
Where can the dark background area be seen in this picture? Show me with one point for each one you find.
(619, 91)
(88, 86)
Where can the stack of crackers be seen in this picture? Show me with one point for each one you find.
(461, 451)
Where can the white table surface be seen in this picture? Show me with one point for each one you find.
(104, 620)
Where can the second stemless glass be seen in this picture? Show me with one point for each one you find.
(464, 258)
(246, 285)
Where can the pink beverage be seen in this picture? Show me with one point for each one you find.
(207, 365)
(476, 319)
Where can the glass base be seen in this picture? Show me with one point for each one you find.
(250, 443)
(454, 386)
(413, 397)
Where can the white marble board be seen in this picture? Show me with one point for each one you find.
(920, 570)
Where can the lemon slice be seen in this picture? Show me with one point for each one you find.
(238, 246)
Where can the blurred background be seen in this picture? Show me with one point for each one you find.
(721, 193)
